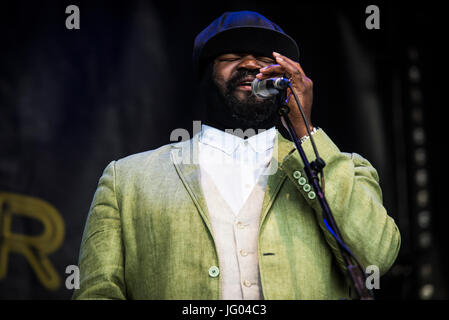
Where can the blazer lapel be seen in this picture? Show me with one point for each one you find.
(184, 156)
(282, 147)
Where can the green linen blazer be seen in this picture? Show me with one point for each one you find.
(148, 233)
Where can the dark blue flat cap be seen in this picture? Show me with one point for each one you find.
(242, 31)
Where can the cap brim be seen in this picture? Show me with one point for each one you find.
(256, 40)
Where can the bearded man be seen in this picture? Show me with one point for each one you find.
(229, 214)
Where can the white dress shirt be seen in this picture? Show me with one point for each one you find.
(234, 163)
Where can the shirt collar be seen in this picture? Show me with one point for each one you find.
(228, 142)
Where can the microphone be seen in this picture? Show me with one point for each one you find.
(268, 87)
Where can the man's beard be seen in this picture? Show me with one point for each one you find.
(224, 110)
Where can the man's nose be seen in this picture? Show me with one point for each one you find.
(249, 62)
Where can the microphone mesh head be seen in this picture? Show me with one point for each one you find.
(259, 88)
(255, 87)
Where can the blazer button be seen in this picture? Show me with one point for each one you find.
(307, 187)
(311, 195)
(297, 174)
(214, 271)
(302, 181)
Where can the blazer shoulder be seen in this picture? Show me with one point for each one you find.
(142, 158)
(357, 159)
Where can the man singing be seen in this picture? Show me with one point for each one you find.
(227, 215)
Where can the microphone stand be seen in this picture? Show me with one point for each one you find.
(312, 169)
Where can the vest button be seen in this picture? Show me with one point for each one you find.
(247, 283)
(240, 225)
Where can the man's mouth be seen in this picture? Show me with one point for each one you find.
(245, 84)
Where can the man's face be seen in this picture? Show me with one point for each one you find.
(232, 75)
(234, 72)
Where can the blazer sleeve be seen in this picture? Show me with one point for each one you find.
(353, 193)
(101, 259)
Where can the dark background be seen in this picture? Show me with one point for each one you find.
(73, 100)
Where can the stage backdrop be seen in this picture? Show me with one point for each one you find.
(71, 101)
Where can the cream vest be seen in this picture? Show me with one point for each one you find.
(236, 240)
